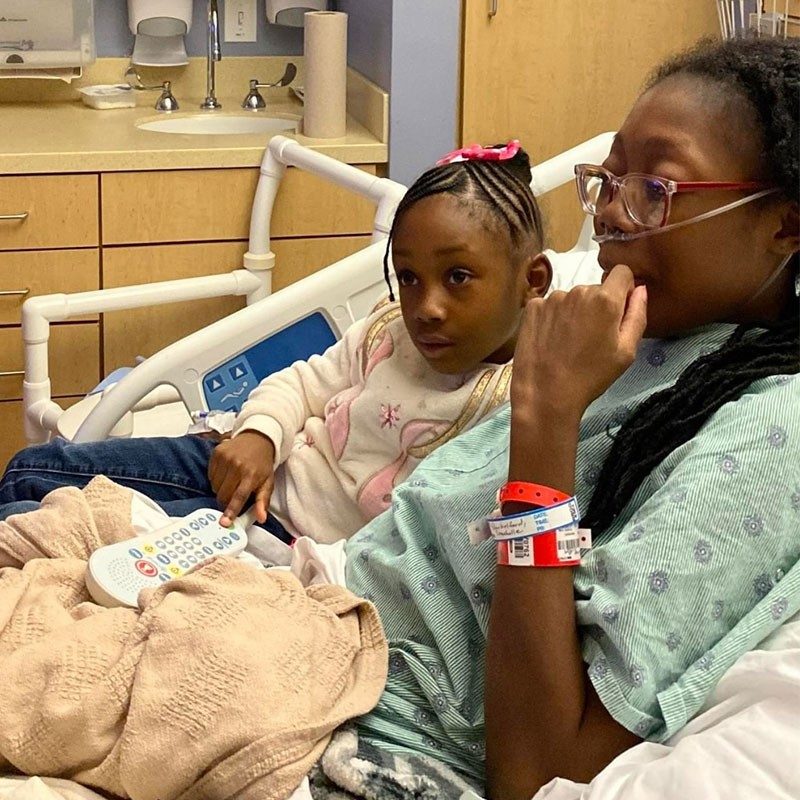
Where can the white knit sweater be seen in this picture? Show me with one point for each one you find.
(351, 424)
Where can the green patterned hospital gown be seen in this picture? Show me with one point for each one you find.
(700, 566)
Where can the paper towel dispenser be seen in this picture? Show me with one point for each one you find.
(46, 34)
(290, 12)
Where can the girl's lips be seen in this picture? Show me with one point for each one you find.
(433, 345)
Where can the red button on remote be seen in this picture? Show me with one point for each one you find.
(146, 568)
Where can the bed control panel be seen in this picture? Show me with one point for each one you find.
(227, 386)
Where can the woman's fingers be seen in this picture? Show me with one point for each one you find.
(634, 321)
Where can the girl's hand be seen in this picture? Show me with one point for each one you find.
(239, 468)
(573, 345)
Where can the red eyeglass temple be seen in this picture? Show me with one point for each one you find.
(683, 186)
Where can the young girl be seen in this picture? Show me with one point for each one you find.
(322, 444)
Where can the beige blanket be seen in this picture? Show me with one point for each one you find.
(226, 684)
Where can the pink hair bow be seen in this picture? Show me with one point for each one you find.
(476, 152)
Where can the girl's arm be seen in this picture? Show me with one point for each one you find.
(543, 719)
(280, 405)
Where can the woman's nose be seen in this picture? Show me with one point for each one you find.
(613, 215)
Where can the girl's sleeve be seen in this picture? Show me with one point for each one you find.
(705, 565)
(280, 405)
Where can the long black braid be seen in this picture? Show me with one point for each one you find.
(763, 74)
(501, 188)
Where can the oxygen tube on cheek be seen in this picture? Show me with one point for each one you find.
(621, 236)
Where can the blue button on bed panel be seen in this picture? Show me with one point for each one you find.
(227, 386)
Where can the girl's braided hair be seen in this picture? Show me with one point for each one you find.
(500, 188)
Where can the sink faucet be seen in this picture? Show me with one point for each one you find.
(214, 54)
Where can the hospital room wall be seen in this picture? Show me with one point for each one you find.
(556, 73)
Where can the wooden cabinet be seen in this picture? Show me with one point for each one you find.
(49, 242)
(26, 273)
(576, 68)
(106, 230)
(214, 204)
(61, 211)
(74, 359)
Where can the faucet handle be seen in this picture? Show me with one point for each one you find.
(167, 101)
(254, 101)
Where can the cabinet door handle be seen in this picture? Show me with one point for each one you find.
(9, 217)
(14, 373)
(493, 7)
(15, 293)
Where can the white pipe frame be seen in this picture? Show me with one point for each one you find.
(41, 413)
(142, 388)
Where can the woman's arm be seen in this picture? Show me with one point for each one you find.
(543, 719)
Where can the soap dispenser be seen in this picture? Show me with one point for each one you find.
(160, 27)
(290, 12)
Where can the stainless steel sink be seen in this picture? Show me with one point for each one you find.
(216, 124)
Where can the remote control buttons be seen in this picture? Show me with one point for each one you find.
(135, 553)
(147, 568)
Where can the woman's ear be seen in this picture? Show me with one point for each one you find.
(787, 236)
(538, 276)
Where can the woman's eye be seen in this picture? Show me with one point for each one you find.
(406, 277)
(459, 277)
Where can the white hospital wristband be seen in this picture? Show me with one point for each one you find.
(536, 521)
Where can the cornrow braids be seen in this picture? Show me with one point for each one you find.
(502, 188)
(764, 75)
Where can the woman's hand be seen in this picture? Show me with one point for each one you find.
(573, 345)
(240, 467)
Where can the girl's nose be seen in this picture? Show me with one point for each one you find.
(431, 307)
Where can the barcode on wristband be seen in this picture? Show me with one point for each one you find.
(568, 546)
(520, 552)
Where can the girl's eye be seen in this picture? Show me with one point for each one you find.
(459, 277)
(406, 277)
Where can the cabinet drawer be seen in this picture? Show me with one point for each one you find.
(147, 330)
(62, 211)
(74, 352)
(12, 433)
(44, 272)
(214, 204)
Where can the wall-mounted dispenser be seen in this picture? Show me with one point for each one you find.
(160, 27)
(45, 35)
(290, 12)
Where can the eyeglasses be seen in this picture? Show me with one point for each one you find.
(647, 198)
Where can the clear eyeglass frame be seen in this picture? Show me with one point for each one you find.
(647, 199)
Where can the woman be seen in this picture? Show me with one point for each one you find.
(683, 450)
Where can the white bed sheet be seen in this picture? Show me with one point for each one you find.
(745, 742)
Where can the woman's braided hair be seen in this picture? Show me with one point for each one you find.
(764, 73)
(501, 188)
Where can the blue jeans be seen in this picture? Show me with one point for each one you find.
(173, 471)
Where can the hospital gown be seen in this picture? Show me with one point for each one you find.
(697, 569)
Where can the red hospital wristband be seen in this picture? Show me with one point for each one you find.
(532, 494)
(551, 549)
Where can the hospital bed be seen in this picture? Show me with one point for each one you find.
(745, 738)
(216, 368)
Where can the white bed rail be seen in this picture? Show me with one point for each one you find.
(254, 281)
(171, 366)
(345, 293)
